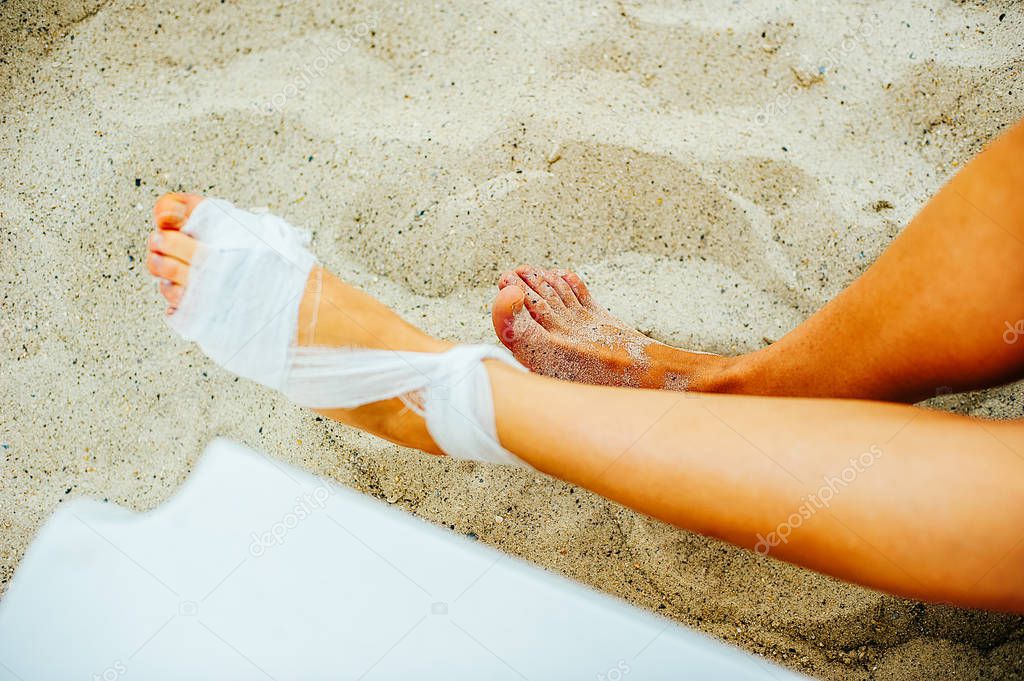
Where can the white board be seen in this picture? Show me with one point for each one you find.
(257, 570)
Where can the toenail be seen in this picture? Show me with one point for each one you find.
(177, 211)
(157, 239)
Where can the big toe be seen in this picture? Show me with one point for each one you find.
(172, 210)
(515, 326)
(503, 314)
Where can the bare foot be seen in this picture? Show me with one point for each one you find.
(550, 322)
(344, 317)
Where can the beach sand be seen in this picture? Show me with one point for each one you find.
(716, 170)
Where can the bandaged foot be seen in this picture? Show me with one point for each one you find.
(245, 287)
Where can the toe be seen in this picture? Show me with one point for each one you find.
(173, 243)
(172, 292)
(503, 312)
(506, 279)
(536, 305)
(578, 288)
(562, 288)
(171, 211)
(169, 268)
(512, 323)
(534, 278)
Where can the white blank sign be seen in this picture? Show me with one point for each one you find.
(257, 570)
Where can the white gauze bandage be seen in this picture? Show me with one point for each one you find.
(241, 306)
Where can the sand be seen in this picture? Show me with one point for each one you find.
(716, 170)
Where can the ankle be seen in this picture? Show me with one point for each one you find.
(334, 314)
(734, 375)
(721, 374)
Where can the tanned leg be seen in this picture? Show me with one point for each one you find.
(928, 316)
(915, 502)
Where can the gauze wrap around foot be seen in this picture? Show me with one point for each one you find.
(241, 306)
(245, 284)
